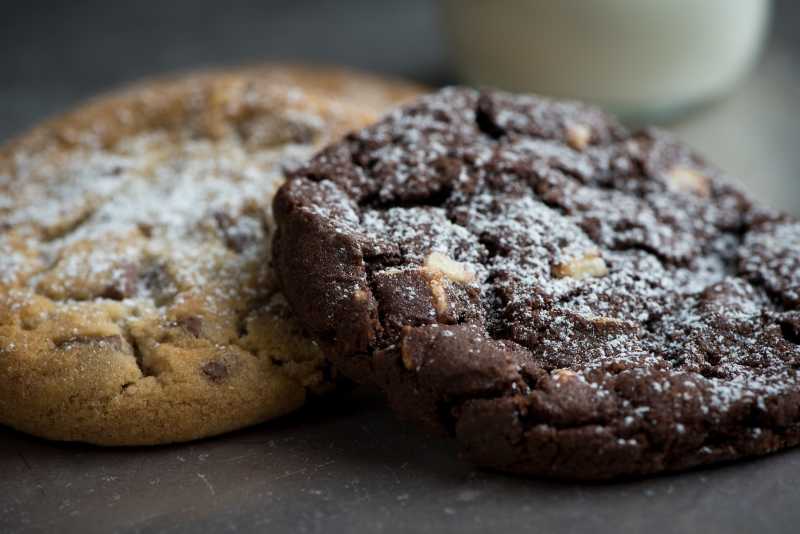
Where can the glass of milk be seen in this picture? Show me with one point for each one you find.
(643, 59)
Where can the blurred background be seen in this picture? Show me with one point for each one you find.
(652, 60)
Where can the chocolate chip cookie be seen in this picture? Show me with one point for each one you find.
(136, 302)
(566, 297)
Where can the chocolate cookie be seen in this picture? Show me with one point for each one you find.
(565, 297)
(136, 302)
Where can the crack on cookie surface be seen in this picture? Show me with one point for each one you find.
(138, 356)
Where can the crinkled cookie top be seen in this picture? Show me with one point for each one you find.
(546, 285)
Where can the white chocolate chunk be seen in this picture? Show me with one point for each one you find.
(590, 264)
(437, 264)
(688, 180)
(439, 296)
(563, 375)
(578, 136)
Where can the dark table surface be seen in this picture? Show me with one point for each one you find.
(349, 465)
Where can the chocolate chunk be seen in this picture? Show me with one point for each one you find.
(236, 237)
(215, 371)
(123, 285)
(192, 324)
(158, 282)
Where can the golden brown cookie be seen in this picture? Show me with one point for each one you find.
(136, 301)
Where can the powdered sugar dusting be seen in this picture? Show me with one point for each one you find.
(594, 257)
(157, 214)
